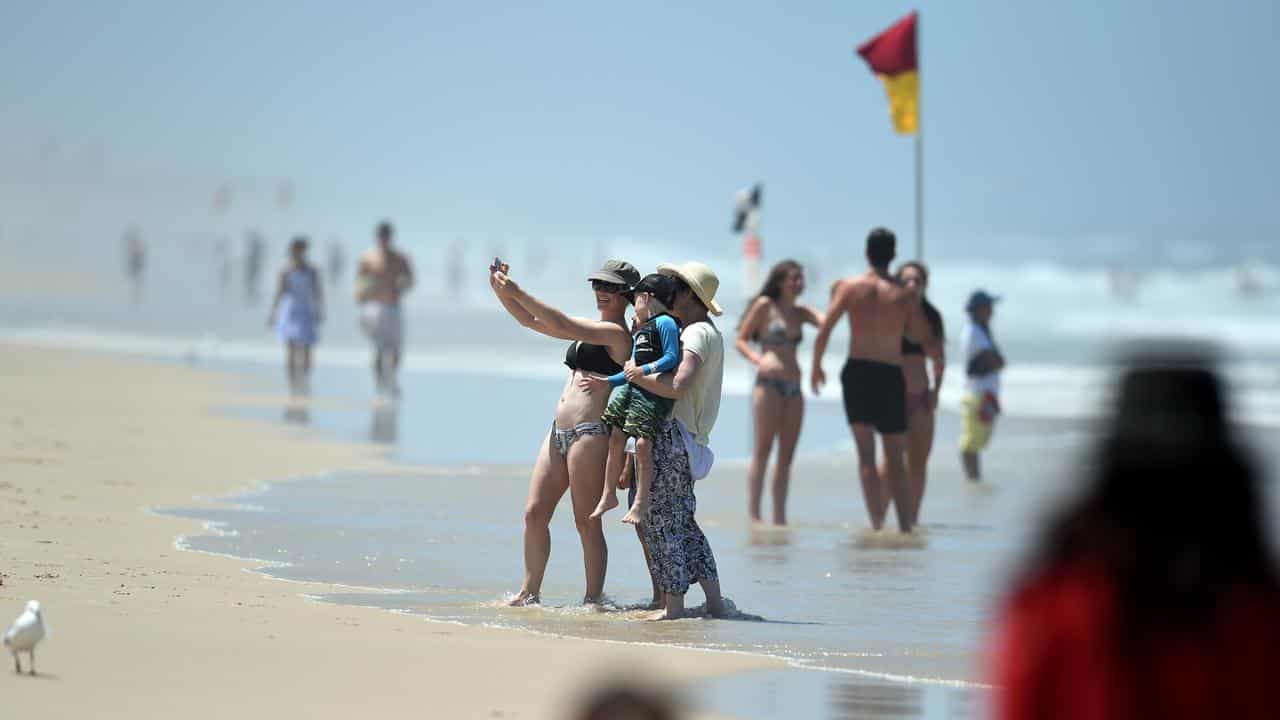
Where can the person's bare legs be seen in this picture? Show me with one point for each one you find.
(613, 468)
(895, 461)
(643, 479)
(549, 480)
(766, 406)
(920, 428)
(393, 373)
(586, 480)
(972, 469)
(715, 601)
(379, 380)
(791, 419)
(864, 439)
(290, 366)
(304, 374)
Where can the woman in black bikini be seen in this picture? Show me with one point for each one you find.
(775, 322)
(922, 398)
(573, 455)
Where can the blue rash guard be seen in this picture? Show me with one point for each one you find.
(656, 348)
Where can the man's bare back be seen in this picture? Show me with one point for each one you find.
(880, 311)
(386, 276)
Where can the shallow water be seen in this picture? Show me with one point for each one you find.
(447, 542)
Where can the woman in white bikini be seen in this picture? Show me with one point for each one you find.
(768, 338)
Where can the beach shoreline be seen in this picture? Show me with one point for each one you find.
(91, 443)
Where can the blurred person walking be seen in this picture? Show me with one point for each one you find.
(881, 312)
(135, 263)
(1155, 594)
(573, 455)
(775, 322)
(254, 252)
(981, 403)
(296, 313)
(337, 262)
(922, 395)
(382, 279)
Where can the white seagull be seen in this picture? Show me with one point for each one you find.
(24, 633)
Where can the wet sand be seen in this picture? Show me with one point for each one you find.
(89, 442)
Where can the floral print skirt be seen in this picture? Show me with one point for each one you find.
(679, 553)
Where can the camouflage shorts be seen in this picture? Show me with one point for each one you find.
(638, 412)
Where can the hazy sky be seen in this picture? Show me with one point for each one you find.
(590, 119)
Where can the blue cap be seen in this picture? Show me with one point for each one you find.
(980, 298)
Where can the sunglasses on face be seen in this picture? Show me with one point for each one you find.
(607, 287)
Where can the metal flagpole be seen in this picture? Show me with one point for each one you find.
(919, 151)
(919, 194)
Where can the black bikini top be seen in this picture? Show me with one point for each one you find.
(592, 358)
(910, 348)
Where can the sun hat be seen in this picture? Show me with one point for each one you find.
(980, 298)
(618, 272)
(700, 279)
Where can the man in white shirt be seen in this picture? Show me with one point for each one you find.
(678, 552)
(981, 403)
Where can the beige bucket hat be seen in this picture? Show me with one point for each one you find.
(701, 279)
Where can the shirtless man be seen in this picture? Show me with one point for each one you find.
(382, 278)
(875, 396)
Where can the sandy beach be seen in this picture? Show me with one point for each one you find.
(140, 629)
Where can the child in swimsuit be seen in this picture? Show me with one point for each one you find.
(634, 411)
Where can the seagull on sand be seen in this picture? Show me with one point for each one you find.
(24, 633)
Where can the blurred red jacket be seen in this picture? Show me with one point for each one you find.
(1054, 655)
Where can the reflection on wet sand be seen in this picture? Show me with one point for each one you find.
(297, 411)
(837, 696)
(385, 425)
(766, 534)
(854, 699)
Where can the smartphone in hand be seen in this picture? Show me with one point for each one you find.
(496, 265)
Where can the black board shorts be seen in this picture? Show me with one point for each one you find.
(875, 394)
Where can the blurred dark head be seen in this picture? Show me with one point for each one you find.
(298, 248)
(1172, 513)
(384, 234)
(882, 248)
(627, 703)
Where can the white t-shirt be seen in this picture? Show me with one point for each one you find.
(976, 341)
(701, 403)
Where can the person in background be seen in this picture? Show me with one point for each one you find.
(135, 262)
(922, 396)
(775, 320)
(382, 279)
(881, 312)
(254, 251)
(1155, 594)
(337, 261)
(296, 313)
(981, 403)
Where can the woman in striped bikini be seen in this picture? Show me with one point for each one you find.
(775, 322)
(573, 456)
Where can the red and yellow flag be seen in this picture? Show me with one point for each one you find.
(892, 57)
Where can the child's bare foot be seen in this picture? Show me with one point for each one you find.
(635, 516)
(608, 502)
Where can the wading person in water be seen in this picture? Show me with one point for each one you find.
(881, 312)
(981, 402)
(775, 322)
